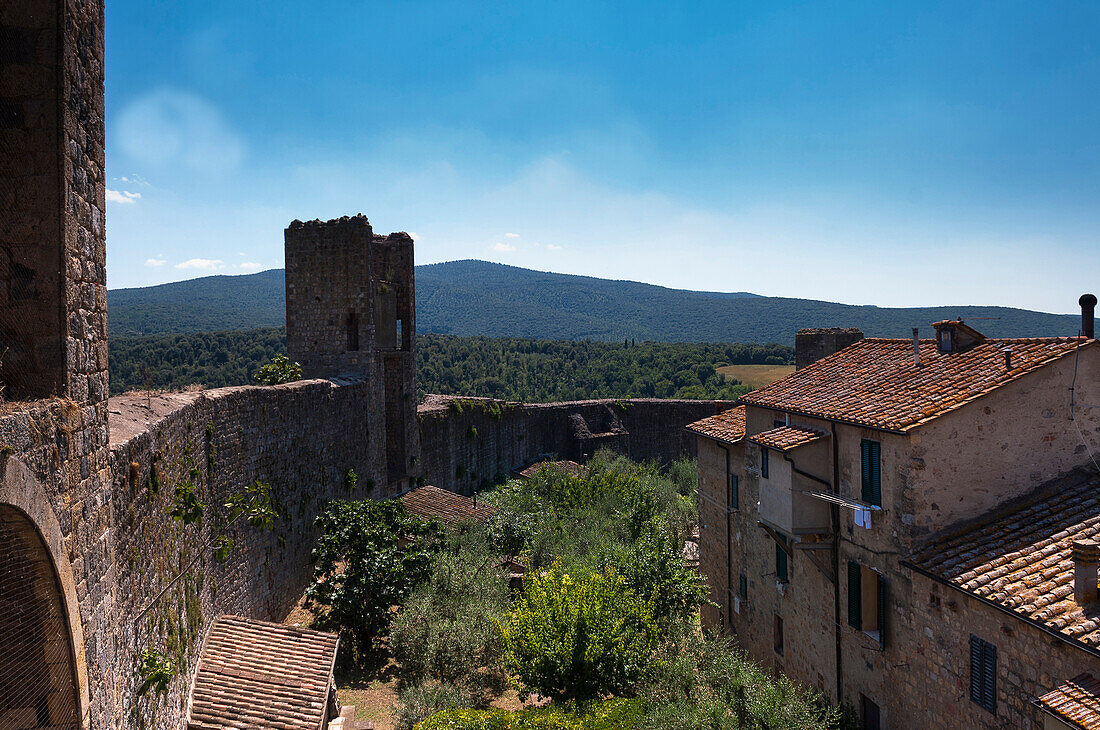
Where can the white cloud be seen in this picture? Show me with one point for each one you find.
(122, 196)
(208, 264)
(503, 247)
(414, 235)
(249, 266)
(153, 263)
(552, 247)
(133, 180)
(176, 128)
(511, 235)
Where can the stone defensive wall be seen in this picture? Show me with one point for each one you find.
(142, 579)
(470, 443)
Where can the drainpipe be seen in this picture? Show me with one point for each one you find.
(835, 509)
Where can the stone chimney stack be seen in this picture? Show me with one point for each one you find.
(810, 345)
(1088, 310)
(1086, 558)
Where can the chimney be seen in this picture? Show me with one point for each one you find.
(916, 346)
(1088, 308)
(1008, 358)
(1086, 558)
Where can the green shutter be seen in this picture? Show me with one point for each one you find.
(870, 453)
(780, 562)
(975, 669)
(764, 462)
(734, 492)
(983, 674)
(882, 611)
(743, 586)
(855, 596)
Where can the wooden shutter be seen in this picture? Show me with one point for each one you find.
(780, 562)
(865, 470)
(764, 462)
(876, 473)
(734, 492)
(855, 596)
(743, 586)
(983, 673)
(882, 611)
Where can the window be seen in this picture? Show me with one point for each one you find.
(781, 559)
(399, 343)
(871, 462)
(779, 424)
(778, 635)
(743, 587)
(353, 331)
(869, 715)
(764, 462)
(983, 674)
(867, 602)
(734, 493)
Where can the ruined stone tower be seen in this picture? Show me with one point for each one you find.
(350, 314)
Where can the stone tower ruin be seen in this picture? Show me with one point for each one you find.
(350, 314)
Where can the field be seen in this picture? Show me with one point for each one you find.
(756, 375)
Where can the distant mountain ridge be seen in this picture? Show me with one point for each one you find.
(495, 300)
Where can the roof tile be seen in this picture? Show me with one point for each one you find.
(447, 507)
(728, 426)
(1077, 702)
(875, 382)
(785, 438)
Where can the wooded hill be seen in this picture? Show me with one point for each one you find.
(479, 298)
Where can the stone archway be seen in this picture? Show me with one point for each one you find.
(43, 679)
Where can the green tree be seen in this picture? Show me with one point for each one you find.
(279, 370)
(369, 557)
(579, 636)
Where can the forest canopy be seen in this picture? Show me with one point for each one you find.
(507, 368)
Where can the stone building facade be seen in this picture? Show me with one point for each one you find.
(817, 490)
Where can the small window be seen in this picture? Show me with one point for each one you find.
(778, 634)
(399, 342)
(779, 424)
(781, 559)
(871, 463)
(867, 602)
(983, 674)
(764, 462)
(869, 714)
(353, 331)
(743, 587)
(734, 493)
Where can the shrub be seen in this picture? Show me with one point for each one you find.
(701, 683)
(613, 714)
(279, 370)
(369, 557)
(448, 628)
(579, 636)
(423, 700)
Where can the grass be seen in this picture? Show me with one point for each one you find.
(756, 376)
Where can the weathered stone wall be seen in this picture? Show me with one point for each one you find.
(812, 344)
(468, 443)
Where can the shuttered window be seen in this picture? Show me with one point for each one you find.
(983, 674)
(734, 496)
(781, 560)
(763, 462)
(855, 595)
(871, 467)
(867, 602)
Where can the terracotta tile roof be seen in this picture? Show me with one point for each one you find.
(728, 426)
(255, 674)
(786, 438)
(1077, 702)
(569, 467)
(447, 507)
(1019, 555)
(876, 383)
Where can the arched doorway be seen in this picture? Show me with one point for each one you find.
(38, 679)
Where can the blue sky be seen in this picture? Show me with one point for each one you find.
(870, 153)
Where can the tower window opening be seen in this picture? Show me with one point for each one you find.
(353, 332)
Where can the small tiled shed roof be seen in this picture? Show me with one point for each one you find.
(447, 507)
(875, 382)
(255, 674)
(1019, 555)
(728, 426)
(569, 467)
(785, 438)
(1077, 702)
